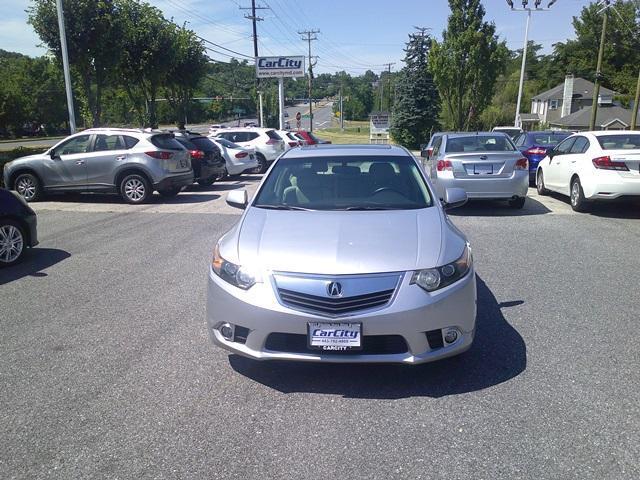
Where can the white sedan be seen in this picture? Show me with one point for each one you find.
(237, 159)
(589, 166)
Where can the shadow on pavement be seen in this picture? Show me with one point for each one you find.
(496, 208)
(114, 198)
(34, 261)
(497, 355)
(217, 187)
(628, 208)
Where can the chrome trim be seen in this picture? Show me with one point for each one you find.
(353, 286)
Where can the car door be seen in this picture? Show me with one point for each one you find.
(108, 152)
(570, 162)
(553, 172)
(67, 166)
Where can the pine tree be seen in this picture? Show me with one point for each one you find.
(416, 109)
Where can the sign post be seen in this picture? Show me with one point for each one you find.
(280, 68)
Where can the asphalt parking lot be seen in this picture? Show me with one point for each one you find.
(106, 370)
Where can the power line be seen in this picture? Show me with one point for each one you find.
(310, 36)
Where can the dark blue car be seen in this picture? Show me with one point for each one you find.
(534, 146)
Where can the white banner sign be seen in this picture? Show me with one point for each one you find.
(276, 67)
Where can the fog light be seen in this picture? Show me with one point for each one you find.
(226, 329)
(451, 336)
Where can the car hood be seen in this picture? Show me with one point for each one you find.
(333, 243)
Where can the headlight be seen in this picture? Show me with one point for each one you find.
(436, 278)
(236, 275)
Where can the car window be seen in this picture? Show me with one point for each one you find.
(479, 143)
(619, 142)
(107, 142)
(436, 147)
(79, 144)
(226, 143)
(204, 144)
(166, 141)
(520, 140)
(186, 143)
(565, 146)
(253, 135)
(351, 183)
(273, 135)
(580, 145)
(130, 142)
(236, 137)
(548, 139)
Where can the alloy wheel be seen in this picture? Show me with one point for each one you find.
(575, 193)
(26, 187)
(134, 189)
(11, 243)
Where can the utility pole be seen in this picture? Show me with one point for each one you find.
(65, 67)
(382, 85)
(342, 111)
(254, 19)
(634, 114)
(596, 88)
(308, 36)
(529, 10)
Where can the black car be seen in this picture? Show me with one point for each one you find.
(18, 227)
(206, 159)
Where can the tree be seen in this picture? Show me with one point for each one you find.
(415, 112)
(189, 66)
(622, 46)
(93, 42)
(466, 64)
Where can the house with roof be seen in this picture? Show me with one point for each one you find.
(568, 106)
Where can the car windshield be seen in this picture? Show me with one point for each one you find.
(226, 143)
(619, 142)
(344, 183)
(549, 139)
(480, 143)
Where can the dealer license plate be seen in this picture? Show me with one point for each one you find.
(335, 336)
(483, 169)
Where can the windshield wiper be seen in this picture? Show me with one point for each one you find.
(370, 207)
(282, 207)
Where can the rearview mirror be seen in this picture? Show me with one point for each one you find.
(454, 197)
(237, 199)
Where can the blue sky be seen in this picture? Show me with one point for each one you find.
(354, 34)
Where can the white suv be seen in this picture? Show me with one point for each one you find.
(266, 142)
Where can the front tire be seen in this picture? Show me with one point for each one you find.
(28, 186)
(206, 182)
(262, 164)
(540, 184)
(12, 242)
(578, 202)
(135, 189)
(517, 203)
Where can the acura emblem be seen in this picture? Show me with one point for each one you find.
(334, 289)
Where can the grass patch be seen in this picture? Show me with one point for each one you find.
(354, 132)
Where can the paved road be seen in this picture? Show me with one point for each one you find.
(106, 370)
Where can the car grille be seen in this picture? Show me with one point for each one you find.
(371, 345)
(334, 306)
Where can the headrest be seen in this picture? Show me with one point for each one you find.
(345, 170)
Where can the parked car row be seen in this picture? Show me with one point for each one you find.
(585, 166)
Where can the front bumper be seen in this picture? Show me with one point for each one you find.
(174, 181)
(410, 315)
(488, 187)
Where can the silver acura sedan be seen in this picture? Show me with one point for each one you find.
(343, 255)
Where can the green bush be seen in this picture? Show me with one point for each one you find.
(8, 155)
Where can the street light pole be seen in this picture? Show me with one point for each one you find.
(525, 8)
(65, 67)
(596, 88)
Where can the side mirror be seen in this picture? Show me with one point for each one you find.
(237, 199)
(454, 197)
(551, 153)
(52, 154)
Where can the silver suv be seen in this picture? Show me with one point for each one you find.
(266, 142)
(131, 162)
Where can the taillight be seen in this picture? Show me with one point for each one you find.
(159, 155)
(536, 151)
(605, 163)
(241, 154)
(522, 164)
(197, 154)
(293, 144)
(444, 165)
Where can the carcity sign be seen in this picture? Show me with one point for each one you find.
(277, 67)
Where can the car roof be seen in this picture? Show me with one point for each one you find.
(598, 133)
(473, 134)
(329, 150)
(248, 129)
